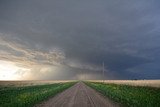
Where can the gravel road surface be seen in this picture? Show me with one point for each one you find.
(79, 95)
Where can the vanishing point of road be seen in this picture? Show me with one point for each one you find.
(79, 95)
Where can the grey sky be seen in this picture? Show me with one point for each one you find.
(64, 39)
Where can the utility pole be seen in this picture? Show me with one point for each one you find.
(85, 75)
(103, 71)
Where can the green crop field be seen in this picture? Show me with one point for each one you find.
(131, 96)
(28, 96)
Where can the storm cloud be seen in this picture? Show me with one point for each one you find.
(69, 39)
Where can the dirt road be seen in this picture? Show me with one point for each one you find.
(78, 95)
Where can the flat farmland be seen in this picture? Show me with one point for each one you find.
(148, 83)
(91, 93)
(30, 83)
(29, 93)
(136, 93)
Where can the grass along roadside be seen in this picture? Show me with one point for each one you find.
(30, 95)
(130, 96)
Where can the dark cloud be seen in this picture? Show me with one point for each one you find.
(123, 34)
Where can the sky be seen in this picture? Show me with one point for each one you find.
(70, 39)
